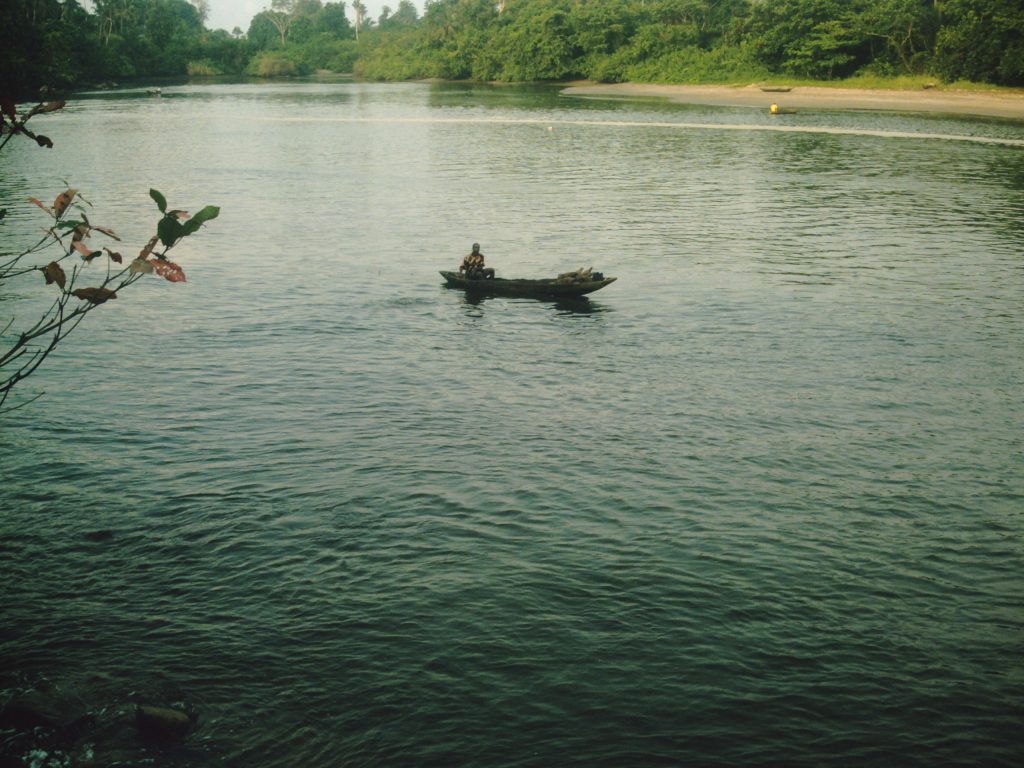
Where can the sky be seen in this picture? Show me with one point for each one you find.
(228, 14)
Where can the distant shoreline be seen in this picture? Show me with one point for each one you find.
(981, 103)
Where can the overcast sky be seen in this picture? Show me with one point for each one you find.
(228, 14)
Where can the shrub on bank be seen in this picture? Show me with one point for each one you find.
(695, 65)
(398, 55)
(203, 68)
(323, 52)
(273, 64)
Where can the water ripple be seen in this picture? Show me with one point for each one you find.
(756, 503)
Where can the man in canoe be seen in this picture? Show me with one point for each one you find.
(473, 265)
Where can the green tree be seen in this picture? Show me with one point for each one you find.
(533, 41)
(906, 30)
(810, 38)
(170, 33)
(981, 40)
(404, 16)
(669, 40)
(44, 42)
(601, 27)
(707, 21)
(456, 32)
(224, 52)
(202, 8)
(397, 53)
(263, 32)
(334, 21)
(282, 15)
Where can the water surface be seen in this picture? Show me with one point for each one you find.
(757, 502)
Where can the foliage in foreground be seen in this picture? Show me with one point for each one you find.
(79, 275)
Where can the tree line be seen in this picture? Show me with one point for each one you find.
(61, 44)
(691, 41)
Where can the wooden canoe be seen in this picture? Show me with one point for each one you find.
(547, 288)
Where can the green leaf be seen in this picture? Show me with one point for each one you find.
(205, 215)
(170, 231)
(208, 213)
(161, 201)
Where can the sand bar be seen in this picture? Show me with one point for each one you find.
(1007, 104)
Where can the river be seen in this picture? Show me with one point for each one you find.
(758, 502)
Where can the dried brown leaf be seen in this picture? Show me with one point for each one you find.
(82, 248)
(54, 274)
(33, 200)
(168, 270)
(107, 231)
(64, 199)
(94, 295)
(149, 246)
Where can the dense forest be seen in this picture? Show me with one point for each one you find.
(62, 45)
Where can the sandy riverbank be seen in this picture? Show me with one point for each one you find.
(1008, 104)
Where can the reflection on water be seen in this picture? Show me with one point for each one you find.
(581, 305)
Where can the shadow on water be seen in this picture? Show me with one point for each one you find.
(579, 306)
(563, 306)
